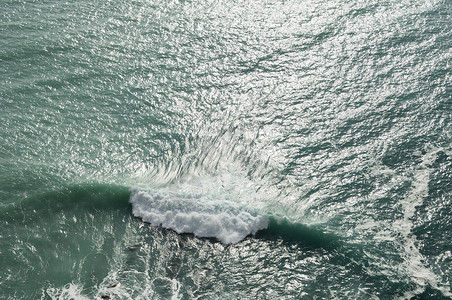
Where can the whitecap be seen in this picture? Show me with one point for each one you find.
(202, 215)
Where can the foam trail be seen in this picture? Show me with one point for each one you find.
(202, 215)
(420, 274)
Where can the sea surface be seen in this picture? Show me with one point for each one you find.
(207, 149)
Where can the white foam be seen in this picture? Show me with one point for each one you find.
(203, 215)
(399, 230)
(68, 291)
(415, 265)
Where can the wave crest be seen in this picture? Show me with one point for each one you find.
(204, 216)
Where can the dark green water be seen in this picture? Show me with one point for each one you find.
(287, 149)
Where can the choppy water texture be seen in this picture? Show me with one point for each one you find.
(288, 149)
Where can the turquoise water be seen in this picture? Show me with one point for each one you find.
(225, 149)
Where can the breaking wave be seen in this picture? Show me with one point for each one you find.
(203, 215)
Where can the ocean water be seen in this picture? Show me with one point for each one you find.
(271, 149)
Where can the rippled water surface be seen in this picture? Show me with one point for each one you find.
(225, 149)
